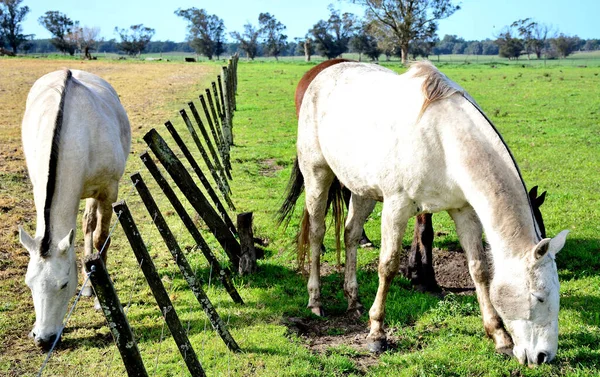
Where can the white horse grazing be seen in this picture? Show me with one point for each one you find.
(419, 143)
(76, 139)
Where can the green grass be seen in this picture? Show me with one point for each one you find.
(549, 118)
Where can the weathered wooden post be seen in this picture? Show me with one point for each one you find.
(158, 290)
(217, 100)
(248, 253)
(223, 273)
(209, 143)
(115, 316)
(217, 136)
(187, 186)
(307, 49)
(182, 263)
(228, 107)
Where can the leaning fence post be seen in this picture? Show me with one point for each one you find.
(182, 263)
(187, 185)
(223, 273)
(158, 289)
(228, 107)
(115, 316)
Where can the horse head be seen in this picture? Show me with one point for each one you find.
(52, 279)
(525, 293)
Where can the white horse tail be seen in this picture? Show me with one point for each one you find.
(52, 167)
(294, 189)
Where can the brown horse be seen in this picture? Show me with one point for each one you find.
(420, 260)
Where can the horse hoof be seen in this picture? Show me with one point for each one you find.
(377, 346)
(365, 242)
(318, 311)
(356, 312)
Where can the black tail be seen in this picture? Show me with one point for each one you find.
(294, 190)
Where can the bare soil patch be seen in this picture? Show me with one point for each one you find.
(269, 167)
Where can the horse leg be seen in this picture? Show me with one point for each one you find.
(395, 214)
(358, 211)
(317, 184)
(364, 241)
(89, 222)
(420, 259)
(469, 231)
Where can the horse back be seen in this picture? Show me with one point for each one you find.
(310, 76)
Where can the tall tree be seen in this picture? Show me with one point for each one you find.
(87, 40)
(272, 32)
(331, 37)
(135, 40)
(60, 26)
(364, 42)
(248, 41)
(565, 45)
(206, 32)
(11, 17)
(409, 20)
(509, 46)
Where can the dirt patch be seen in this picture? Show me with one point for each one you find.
(269, 167)
(321, 335)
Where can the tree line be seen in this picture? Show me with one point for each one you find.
(403, 28)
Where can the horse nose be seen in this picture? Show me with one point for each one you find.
(45, 343)
(542, 357)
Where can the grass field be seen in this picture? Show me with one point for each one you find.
(549, 116)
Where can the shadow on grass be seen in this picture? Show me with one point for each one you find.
(579, 258)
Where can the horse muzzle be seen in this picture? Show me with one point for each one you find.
(45, 342)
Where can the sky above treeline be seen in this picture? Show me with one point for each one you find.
(476, 20)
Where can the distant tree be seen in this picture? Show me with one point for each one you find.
(272, 32)
(135, 40)
(87, 39)
(509, 46)
(422, 48)
(592, 45)
(387, 42)
(474, 48)
(364, 42)
(331, 37)
(565, 45)
(409, 20)
(489, 47)
(11, 17)
(60, 26)
(248, 42)
(525, 29)
(206, 32)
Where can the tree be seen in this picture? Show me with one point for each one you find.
(540, 35)
(565, 45)
(60, 26)
(11, 17)
(409, 20)
(364, 42)
(205, 32)
(248, 41)
(332, 36)
(87, 40)
(135, 40)
(272, 32)
(509, 46)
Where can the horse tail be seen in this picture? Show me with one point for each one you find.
(294, 189)
(335, 199)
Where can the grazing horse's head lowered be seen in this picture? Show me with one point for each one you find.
(76, 139)
(52, 278)
(440, 154)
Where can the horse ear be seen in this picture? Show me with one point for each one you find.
(533, 194)
(66, 242)
(540, 250)
(540, 199)
(557, 243)
(26, 240)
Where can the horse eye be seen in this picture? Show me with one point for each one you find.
(64, 285)
(539, 298)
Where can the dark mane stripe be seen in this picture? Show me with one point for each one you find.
(514, 163)
(51, 186)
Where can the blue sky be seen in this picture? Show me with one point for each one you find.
(478, 19)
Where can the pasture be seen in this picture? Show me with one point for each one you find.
(549, 117)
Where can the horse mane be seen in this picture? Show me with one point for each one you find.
(436, 85)
(52, 164)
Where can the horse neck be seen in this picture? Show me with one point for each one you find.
(495, 190)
